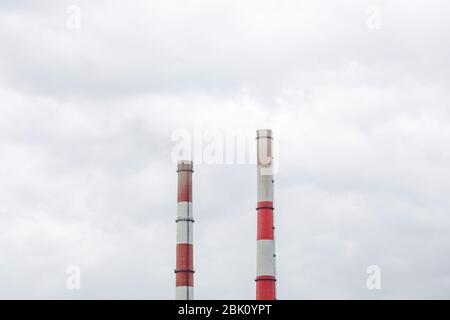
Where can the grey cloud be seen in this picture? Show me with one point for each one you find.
(167, 47)
(361, 116)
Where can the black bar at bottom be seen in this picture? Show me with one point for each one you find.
(225, 309)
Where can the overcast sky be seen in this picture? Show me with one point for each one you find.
(357, 93)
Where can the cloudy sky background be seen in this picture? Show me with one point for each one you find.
(361, 114)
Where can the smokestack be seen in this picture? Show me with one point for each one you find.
(265, 260)
(185, 266)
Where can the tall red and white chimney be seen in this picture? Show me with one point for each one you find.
(265, 261)
(185, 260)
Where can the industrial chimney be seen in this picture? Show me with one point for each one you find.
(265, 261)
(184, 266)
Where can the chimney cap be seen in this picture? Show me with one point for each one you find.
(185, 165)
(264, 133)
